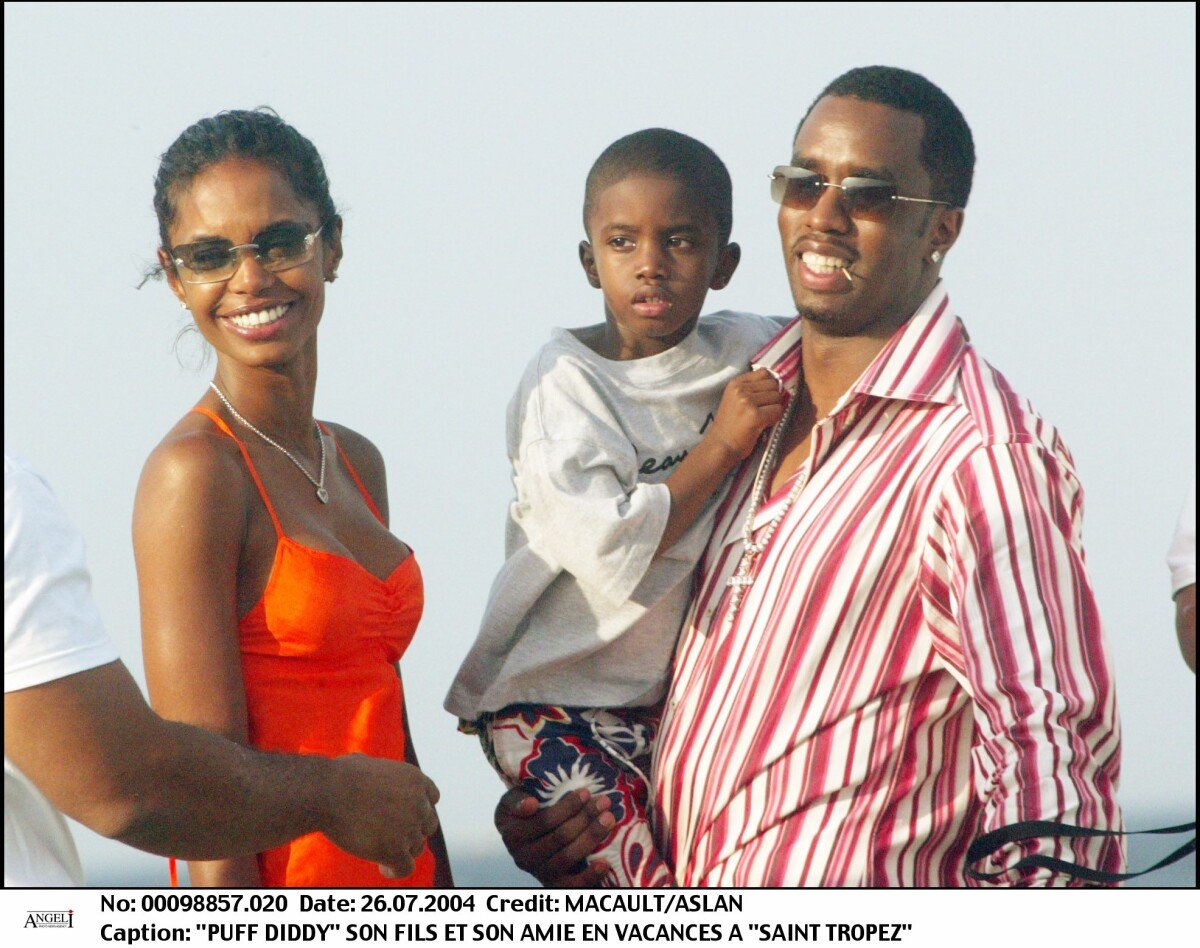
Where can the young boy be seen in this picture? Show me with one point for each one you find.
(620, 440)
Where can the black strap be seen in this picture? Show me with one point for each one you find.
(988, 843)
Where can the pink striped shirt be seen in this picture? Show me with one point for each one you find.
(920, 658)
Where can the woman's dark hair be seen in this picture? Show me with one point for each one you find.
(259, 134)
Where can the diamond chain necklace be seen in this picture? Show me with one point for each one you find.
(742, 579)
(319, 484)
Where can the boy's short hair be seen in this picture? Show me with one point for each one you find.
(669, 154)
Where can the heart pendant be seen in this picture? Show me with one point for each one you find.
(322, 495)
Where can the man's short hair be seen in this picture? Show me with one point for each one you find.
(947, 148)
(665, 153)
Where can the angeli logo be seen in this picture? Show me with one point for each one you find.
(57, 919)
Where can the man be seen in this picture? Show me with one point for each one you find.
(79, 738)
(894, 647)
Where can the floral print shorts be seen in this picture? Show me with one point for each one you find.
(551, 751)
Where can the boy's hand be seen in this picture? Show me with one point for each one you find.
(752, 402)
(550, 843)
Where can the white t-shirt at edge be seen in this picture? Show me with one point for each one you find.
(1181, 558)
(51, 630)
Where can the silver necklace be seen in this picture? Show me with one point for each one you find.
(743, 577)
(318, 483)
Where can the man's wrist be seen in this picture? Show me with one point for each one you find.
(318, 783)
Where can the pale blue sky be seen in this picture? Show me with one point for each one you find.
(457, 140)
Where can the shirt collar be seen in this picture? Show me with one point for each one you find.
(919, 363)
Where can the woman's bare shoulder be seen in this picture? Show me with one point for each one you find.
(195, 465)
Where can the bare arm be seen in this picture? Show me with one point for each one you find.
(751, 403)
(1185, 623)
(98, 753)
(190, 516)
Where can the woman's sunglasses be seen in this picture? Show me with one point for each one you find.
(213, 261)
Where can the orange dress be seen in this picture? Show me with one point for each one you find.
(317, 659)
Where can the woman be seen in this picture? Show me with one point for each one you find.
(275, 603)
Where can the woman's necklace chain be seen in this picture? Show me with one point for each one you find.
(743, 577)
(318, 483)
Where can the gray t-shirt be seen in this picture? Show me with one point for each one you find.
(582, 613)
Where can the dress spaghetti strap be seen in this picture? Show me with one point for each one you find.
(250, 464)
(353, 473)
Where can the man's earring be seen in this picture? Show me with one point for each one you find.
(183, 304)
(936, 256)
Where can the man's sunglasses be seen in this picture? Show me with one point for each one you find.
(213, 261)
(864, 198)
